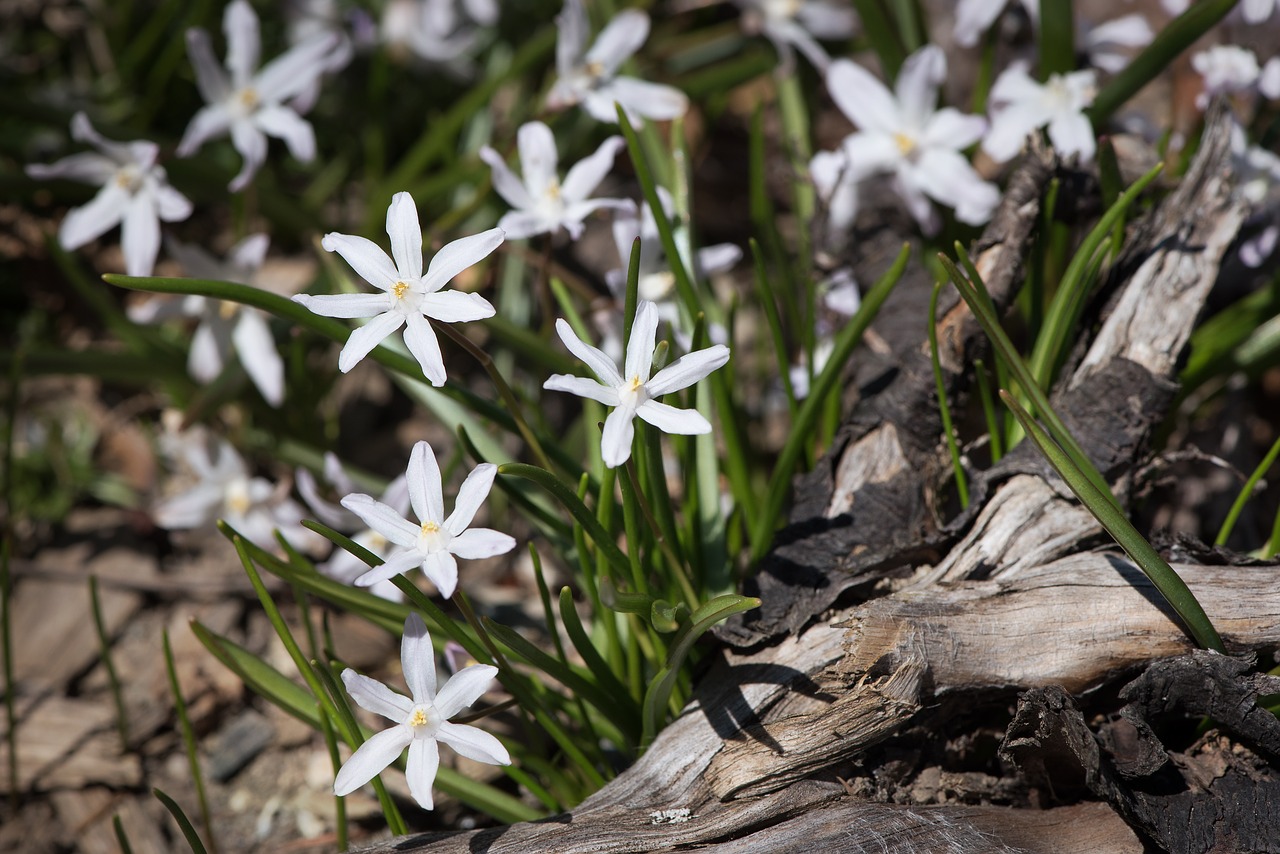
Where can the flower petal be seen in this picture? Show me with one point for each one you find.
(600, 364)
(382, 519)
(365, 257)
(473, 743)
(397, 563)
(458, 255)
(669, 419)
(571, 36)
(252, 145)
(379, 751)
(441, 570)
(583, 387)
(426, 495)
(211, 79)
(619, 429)
(1072, 133)
(344, 305)
(420, 772)
(862, 97)
(538, 157)
(472, 493)
(418, 660)
(687, 370)
(452, 306)
(950, 128)
(240, 25)
(375, 697)
(618, 41)
(517, 225)
(641, 344)
(283, 123)
(464, 688)
(585, 175)
(208, 122)
(406, 236)
(917, 84)
(140, 235)
(508, 185)
(425, 347)
(652, 100)
(208, 351)
(257, 351)
(480, 543)
(365, 338)
(88, 167)
(297, 69)
(192, 509)
(171, 205)
(91, 221)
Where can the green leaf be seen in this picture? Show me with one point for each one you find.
(184, 823)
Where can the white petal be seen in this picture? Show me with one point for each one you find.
(418, 660)
(420, 772)
(479, 543)
(250, 252)
(517, 225)
(464, 688)
(537, 147)
(441, 570)
(506, 182)
(1009, 131)
(869, 153)
(375, 697)
(88, 167)
(382, 519)
(615, 443)
(426, 495)
(252, 145)
(600, 364)
(472, 493)
(257, 350)
(473, 743)
(421, 340)
(1125, 31)
(687, 370)
(669, 419)
(619, 40)
(371, 758)
(365, 257)
(211, 80)
(365, 338)
(918, 82)
(91, 221)
(452, 306)
(171, 205)
(862, 97)
(406, 236)
(950, 128)
(1257, 11)
(240, 25)
(458, 255)
(208, 351)
(344, 305)
(283, 123)
(331, 514)
(294, 71)
(641, 344)
(583, 387)
(1072, 133)
(950, 179)
(582, 180)
(397, 563)
(140, 235)
(651, 100)
(192, 509)
(975, 17)
(209, 122)
(571, 35)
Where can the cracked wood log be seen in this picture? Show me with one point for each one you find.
(1010, 595)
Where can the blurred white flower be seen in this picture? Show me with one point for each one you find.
(836, 185)
(793, 25)
(902, 133)
(253, 506)
(590, 78)
(409, 296)
(975, 17)
(637, 393)
(1257, 11)
(421, 722)
(1108, 44)
(544, 205)
(223, 326)
(344, 566)
(248, 103)
(1257, 181)
(135, 195)
(1228, 69)
(1020, 106)
(437, 31)
(436, 542)
(312, 19)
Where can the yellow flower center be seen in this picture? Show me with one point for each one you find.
(248, 97)
(430, 527)
(553, 190)
(636, 383)
(227, 309)
(418, 718)
(906, 144)
(398, 289)
(595, 69)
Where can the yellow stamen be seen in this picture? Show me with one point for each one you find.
(227, 309)
(418, 718)
(430, 527)
(906, 144)
(595, 69)
(636, 383)
(248, 98)
(398, 289)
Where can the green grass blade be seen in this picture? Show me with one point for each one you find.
(189, 742)
(1246, 492)
(944, 407)
(184, 823)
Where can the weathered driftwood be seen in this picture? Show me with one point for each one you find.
(1009, 596)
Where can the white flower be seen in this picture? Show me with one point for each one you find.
(836, 184)
(637, 393)
(409, 297)
(1257, 179)
(1106, 43)
(544, 205)
(249, 104)
(1228, 69)
(591, 79)
(344, 566)
(1020, 106)
(901, 133)
(436, 30)
(794, 23)
(135, 194)
(421, 722)
(434, 543)
(975, 17)
(225, 490)
(224, 326)
(1257, 11)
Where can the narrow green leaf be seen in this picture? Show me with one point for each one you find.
(944, 407)
(184, 823)
(1246, 492)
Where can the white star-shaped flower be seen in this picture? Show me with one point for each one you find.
(421, 720)
(544, 205)
(224, 326)
(636, 393)
(409, 297)
(1228, 69)
(436, 542)
(1020, 105)
(135, 195)
(793, 24)
(249, 103)
(903, 134)
(592, 80)
(975, 17)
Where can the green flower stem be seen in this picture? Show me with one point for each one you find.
(766, 520)
(944, 407)
(631, 527)
(1177, 36)
(1246, 492)
(1104, 509)
(656, 504)
(675, 564)
(104, 649)
(1057, 38)
(189, 741)
(994, 431)
(765, 295)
